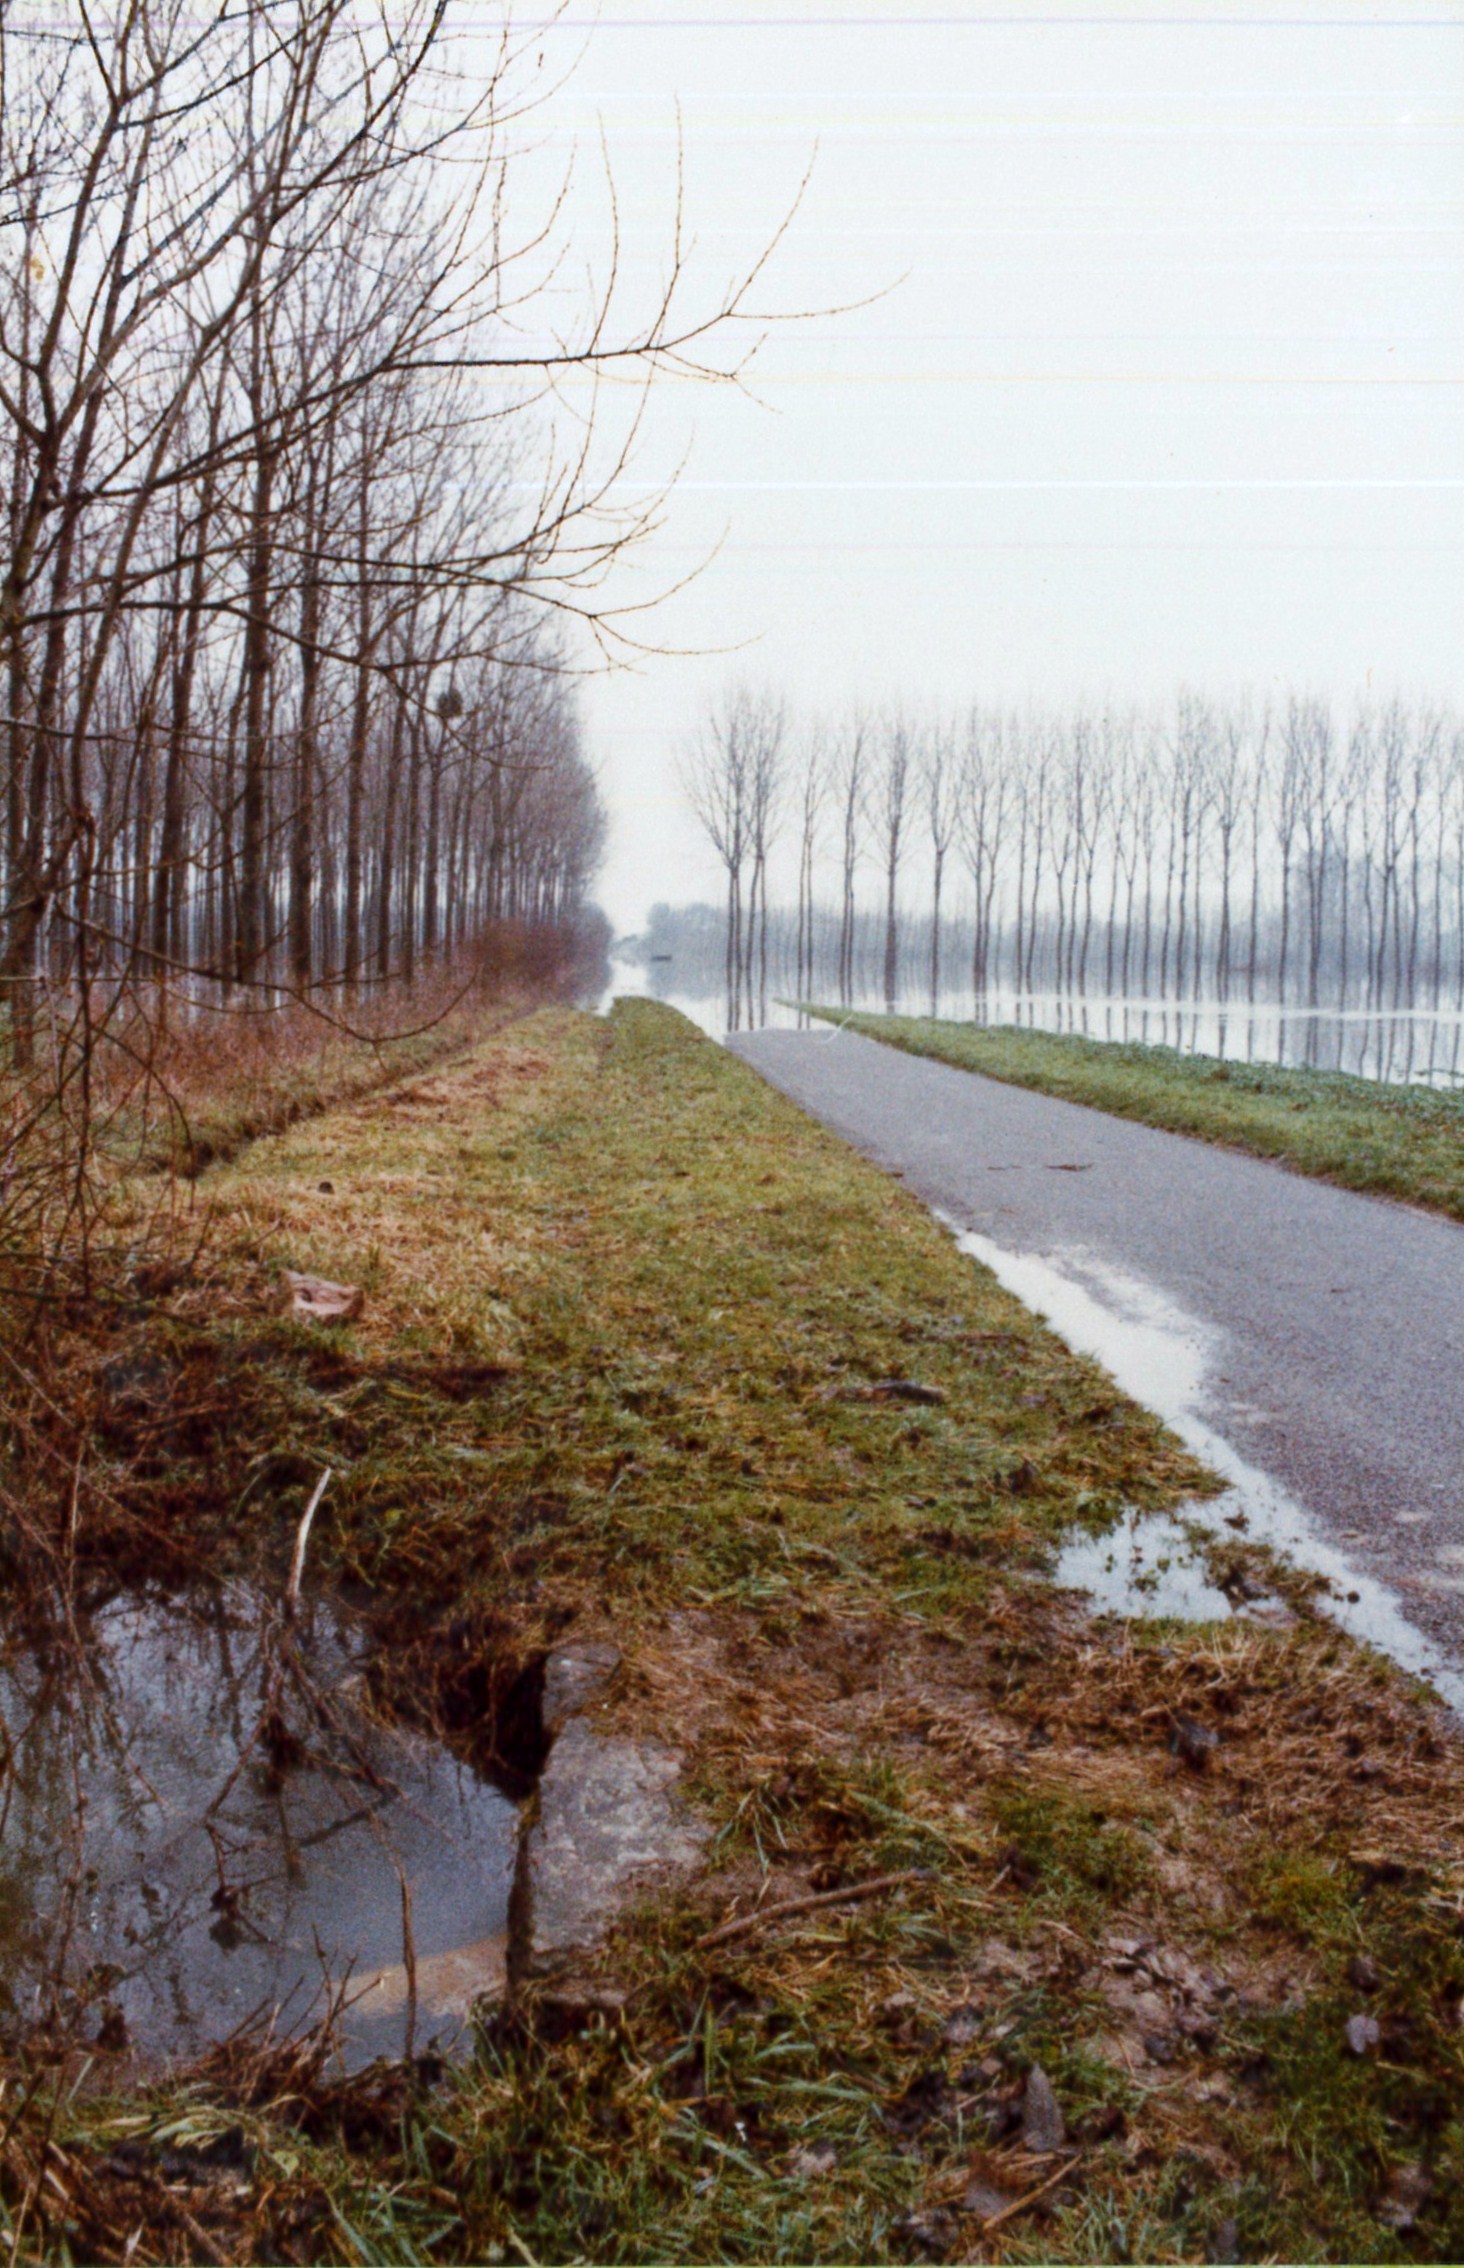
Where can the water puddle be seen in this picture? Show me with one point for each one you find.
(1146, 1567)
(202, 1828)
(1161, 1357)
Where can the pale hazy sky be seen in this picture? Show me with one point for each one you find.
(1169, 391)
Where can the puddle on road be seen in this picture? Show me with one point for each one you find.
(186, 1872)
(1161, 1357)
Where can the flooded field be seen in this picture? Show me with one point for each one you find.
(203, 1829)
(1395, 1045)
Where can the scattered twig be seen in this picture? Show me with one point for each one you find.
(72, 1507)
(199, 2237)
(302, 1538)
(1020, 2204)
(805, 1905)
(409, 1961)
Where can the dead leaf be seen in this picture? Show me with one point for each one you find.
(1043, 2130)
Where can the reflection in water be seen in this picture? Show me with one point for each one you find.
(634, 980)
(1397, 1045)
(1142, 1566)
(1164, 1358)
(195, 1837)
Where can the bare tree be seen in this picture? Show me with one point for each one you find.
(1227, 796)
(813, 788)
(886, 806)
(282, 469)
(1096, 758)
(1126, 820)
(940, 787)
(850, 772)
(985, 799)
(763, 724)
(1286, 818)
(715, 779)
(1141, 830)
(1034, 797)
(1310, 744)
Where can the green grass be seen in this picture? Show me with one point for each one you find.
(625, 1306)
(1068, 1845)
(1390, 1141)
(688, 1289)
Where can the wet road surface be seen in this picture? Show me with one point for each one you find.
(1308, 1341)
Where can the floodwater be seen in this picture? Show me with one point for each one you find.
(201, 1828)
(1397, 1045)
(1164, 1359)
(1419, 1046)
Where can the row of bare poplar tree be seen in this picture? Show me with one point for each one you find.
(1209, 850)
(292, 530)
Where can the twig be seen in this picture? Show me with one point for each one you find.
(72, 1505)
(199, 2237)
(409, 1961)
(805, 1905)
(302, 1538)
(1020, 2204)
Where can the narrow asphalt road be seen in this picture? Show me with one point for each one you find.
(1316, 1335)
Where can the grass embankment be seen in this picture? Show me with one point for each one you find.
(1391, 1141)
(627, 1312)
(222, 1086)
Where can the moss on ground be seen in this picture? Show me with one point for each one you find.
(1389, 1141)
(637, 1355)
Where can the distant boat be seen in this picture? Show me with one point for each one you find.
(660, 956)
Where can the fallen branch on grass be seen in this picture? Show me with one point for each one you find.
(1020, 2204)
(746, 1923)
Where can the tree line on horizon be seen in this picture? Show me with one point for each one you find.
(1276, 851)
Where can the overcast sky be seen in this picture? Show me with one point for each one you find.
(1165, 385)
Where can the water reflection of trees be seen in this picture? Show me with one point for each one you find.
(202, 1829)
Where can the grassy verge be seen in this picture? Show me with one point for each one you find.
(627, 1317)
(225, 1088)
(224, 1078)
(1389, 1141)
(159, 1112)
